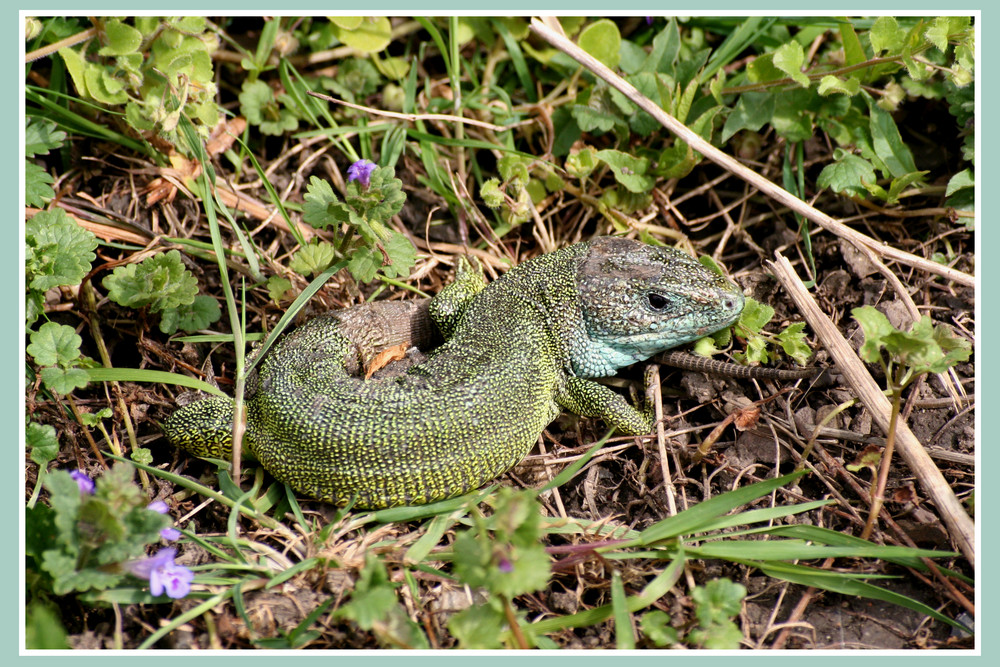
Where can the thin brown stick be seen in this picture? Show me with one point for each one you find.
(62, 43)
(419, 116)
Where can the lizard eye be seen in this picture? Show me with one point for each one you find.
(657, 302)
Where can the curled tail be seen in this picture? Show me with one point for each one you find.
(204, 428)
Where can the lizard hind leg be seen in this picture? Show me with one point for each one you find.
(450, 304)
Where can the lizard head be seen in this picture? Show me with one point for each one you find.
(638, 300)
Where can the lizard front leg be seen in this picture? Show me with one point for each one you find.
(590, 399)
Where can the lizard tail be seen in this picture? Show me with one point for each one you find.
(204, 428)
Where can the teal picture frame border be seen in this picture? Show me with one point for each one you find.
(12, 364)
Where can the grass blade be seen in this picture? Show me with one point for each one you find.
(703, 514)
(145, 375)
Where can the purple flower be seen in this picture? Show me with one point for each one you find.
(169, 534)
(165, 576)
(158, 506)
(361, 171)
(83, 481)
(505, 565)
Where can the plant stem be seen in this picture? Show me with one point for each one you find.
(878, 497)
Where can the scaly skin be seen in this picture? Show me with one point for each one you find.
(517, 351)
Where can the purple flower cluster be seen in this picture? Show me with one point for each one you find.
(164, 575)
(361, 171)
(83, 481)
(169, 534)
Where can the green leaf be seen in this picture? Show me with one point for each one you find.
(402, 256)
(755, 315)
(94, 418)
(717, 637)
(41, 440)
(937, 33)
(322, 208)
(160, 282)
(807, 576)
(581, 163)
(54, 344)
(789, 58)
(491, 193)
(142, 455)
(926, 348)
(374, 596)
(752, 112)
(255, 98)
(963, 179)
(43, 628)
(793, 343)
(875, 326)
(478, 627)
(277, 288)
(830, 84)
(121, 38)
(887, 143)
(886, 35)
(41, 136)
(394, 69)
(630, 171)
(602, 40)
(756, 351)
(313, 258)
(705, 347)
(192, 316)
(676, 160)
(188, 24)
(593, 120)
(853, 51)
(346, 22)
(370, 35)
(656, 625)
(102, 85)
(364, 264)
(36, 185)
(718, 601)
(75, 64)
(285, 122)
(63, 380)
(849, 173)
(57, 250)
(763, 69)
(901, 183)
(39, 530)
(513, 169)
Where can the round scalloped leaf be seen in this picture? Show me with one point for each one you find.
(372, 35)
(102, 86)
(121, 38)
(602, 40)
(346, 22)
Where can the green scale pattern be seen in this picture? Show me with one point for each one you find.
(517, 352)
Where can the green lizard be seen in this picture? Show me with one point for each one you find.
(516, 352)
